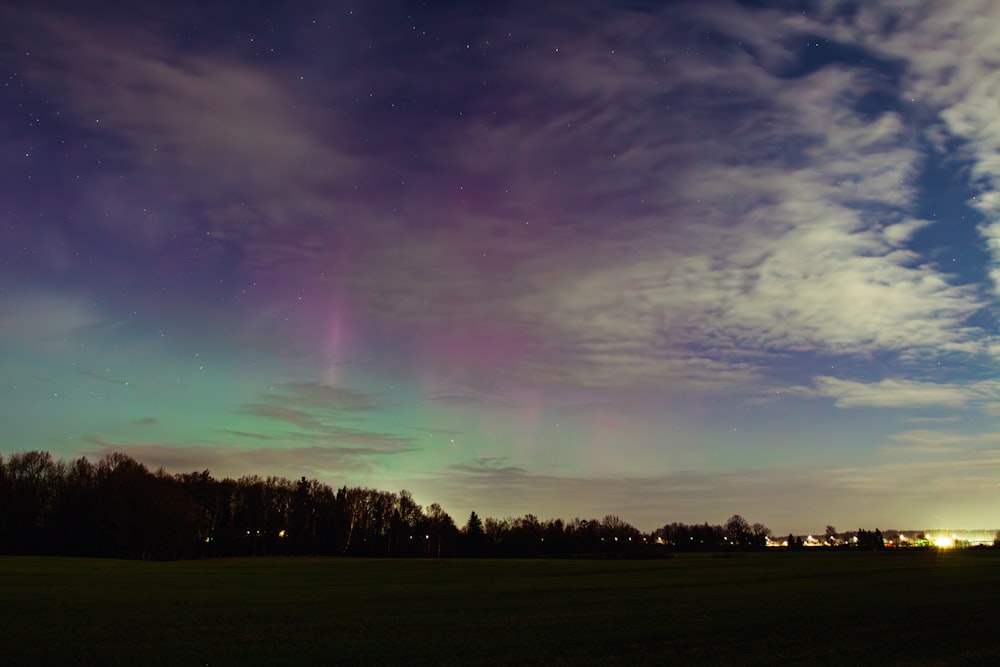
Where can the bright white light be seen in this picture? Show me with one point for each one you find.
(944, 542)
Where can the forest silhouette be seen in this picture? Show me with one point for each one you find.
(118, 508)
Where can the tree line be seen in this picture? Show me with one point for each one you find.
(119, 508)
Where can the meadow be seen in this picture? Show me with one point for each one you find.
(906, 607)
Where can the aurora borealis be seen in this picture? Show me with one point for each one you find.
(670, 261)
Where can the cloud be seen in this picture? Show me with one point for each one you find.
(763, 216)
(100, 377)
(951, 76)
(300, 418)
(357, 441)
(315, 395)
(789, 236)
(735, 212)
(925, 441)
(318, 413)
(933, 420)
(492, 467)
(45, 319)
(310, 405)
(899, 393)
(326, 463)
(217, 127)
(885, 493)
(949, 481)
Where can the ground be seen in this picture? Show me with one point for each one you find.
(916, 607)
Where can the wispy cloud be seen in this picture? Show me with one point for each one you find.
(45, 319)
(325, 397)
(320, 415)
(926, 441)
(326, 463)
(901, 393)
(492, 467)
(933, 420)
(789, 235)
(311, 406)
(886, 493)
(756, 212)
(219, 127)
(951, 76)
(300, 418)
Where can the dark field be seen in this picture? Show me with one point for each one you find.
(916, 607)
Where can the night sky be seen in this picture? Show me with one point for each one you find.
(671, 261)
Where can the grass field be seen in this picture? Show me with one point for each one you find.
(917, 607)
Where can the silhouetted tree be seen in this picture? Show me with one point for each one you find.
(366, 520)
(494, 532)
(474, 535)
(554, 537)
(583, 536)
(5, 504)
(301, 530)
(683, 537)
(526, 536)
(76, 514)
(441, 533)
(870, 540)
(126, 500)
(759, 534)
(33, 485)
(408, 519)
(738, 532)
(618, 537)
